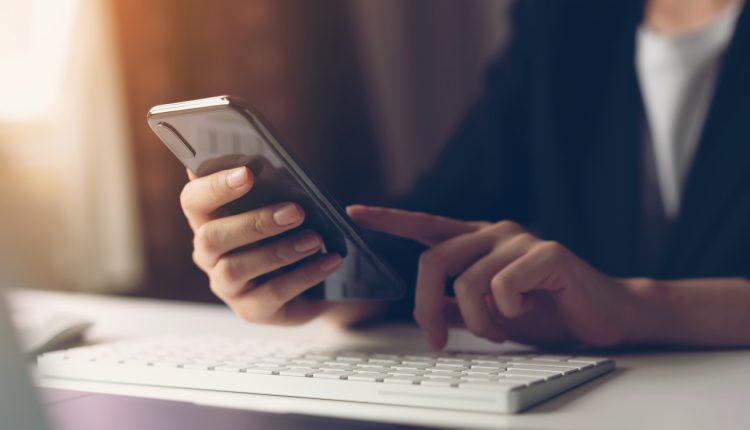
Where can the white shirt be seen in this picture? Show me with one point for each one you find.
(677, 76)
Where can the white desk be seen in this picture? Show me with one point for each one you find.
(681, 390)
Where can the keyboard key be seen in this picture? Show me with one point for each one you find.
(298, 372)
(384, 357)
(206, 362)
(419, 358)
(443, 373)
(487, 371)
(538, 374)
(332, 374)
(346, 359)
(410, 366)
(450, 366)
(553, 358)
(460, 361)
(227, 368)
(492, 362)
(264, 370)
(480, 378)
(245, 363)
(300, 366)
(337, 364)
(383, 361)
(554, 369)
(367, 377)
(440, 382)
(338, 368)
(401, 380)
(490, 367)
(171, 364)
(543, 364)
(130, 362)
(195, 366)
(352, 354)
(407, 372)
(364, 372)
(371, 366)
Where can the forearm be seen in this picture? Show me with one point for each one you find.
(698, 312)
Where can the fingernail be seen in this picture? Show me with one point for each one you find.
(330, 263)
(307, 243)
(237, 178)
(288, 214)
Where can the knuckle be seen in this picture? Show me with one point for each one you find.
(499, 284)
(525, 238)
(206, 239)
(258, 225)
(462, 284)
(196, 256)
(507, 226)
(229, 271)
(431, 258)
(214, 285)
(186, 196)
(552, 249)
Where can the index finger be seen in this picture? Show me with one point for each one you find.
(422, 227)
(436, 265)
(202, 196)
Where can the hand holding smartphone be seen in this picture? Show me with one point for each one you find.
(221, 133)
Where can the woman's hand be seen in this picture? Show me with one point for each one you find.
(245, 273)
(508, 284)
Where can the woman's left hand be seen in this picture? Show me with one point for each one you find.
(508, 284)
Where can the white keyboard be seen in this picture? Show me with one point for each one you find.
(446, 380)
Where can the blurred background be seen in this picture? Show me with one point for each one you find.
(364, 91)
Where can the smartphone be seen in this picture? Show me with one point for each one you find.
(219, 133)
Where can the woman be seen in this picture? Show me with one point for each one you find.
(615, 131)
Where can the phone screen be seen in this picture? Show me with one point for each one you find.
(216, 134)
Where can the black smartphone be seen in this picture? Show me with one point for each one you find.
(219, 133)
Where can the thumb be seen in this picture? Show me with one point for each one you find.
(424, 228)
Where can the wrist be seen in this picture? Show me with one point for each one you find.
(646, 320)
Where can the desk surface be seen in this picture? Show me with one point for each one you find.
(685, 390)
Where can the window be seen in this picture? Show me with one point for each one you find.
(64, 165)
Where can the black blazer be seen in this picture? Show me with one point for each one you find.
(554, 144)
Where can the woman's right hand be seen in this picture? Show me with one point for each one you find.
(247, 277)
